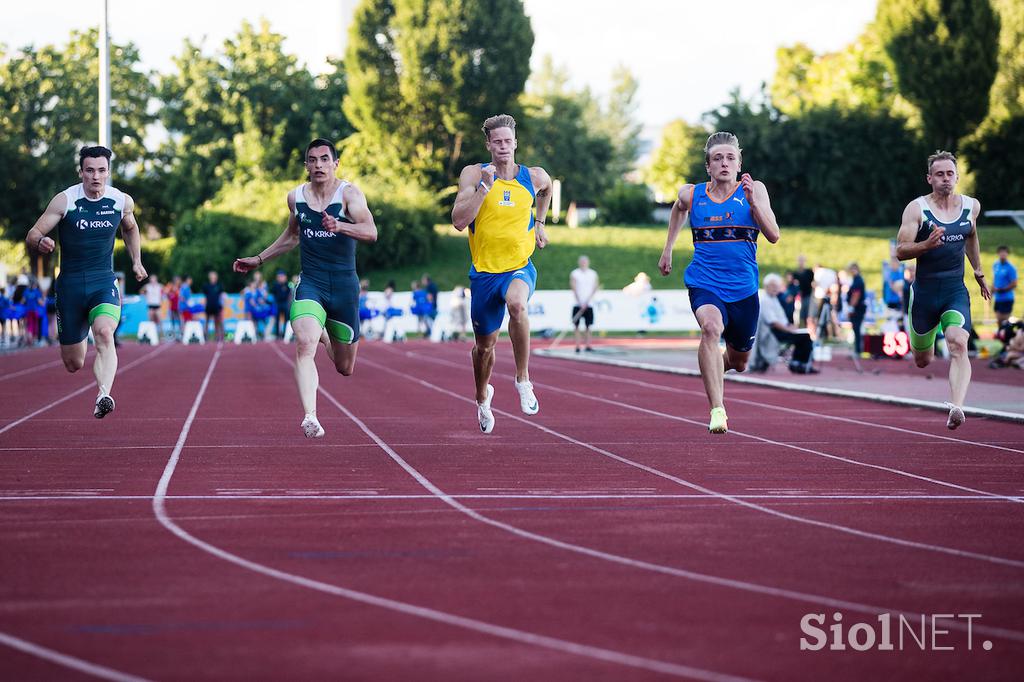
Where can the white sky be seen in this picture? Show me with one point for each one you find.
(687, 54)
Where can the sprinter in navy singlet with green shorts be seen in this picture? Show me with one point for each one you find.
(326, 218)
(938, 230)
(87, 217)
(726, 216)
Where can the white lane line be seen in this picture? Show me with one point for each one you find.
(783, 593)
(91, 386)
(36, 368)
(769, 441)
(67, 661)
(561, 645)
(557, 362)
(702, 496)
(724, 496)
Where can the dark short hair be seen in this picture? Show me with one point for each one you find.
(1004, 247)
(320, 142)
(93, 153)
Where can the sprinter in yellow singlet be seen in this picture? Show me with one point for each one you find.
(504, 205)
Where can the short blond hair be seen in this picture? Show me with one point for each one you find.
(940, 155)
(718, 138)
(499, 121)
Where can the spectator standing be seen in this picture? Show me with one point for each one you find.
(281, 292)
(584, 283)
(1004, 281)
(805, 278)
(154, 295)
(214, 292)
(855, 298)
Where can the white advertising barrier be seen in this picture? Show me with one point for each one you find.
(661, 310)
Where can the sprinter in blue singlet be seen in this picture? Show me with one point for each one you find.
(327, 216)
(726, 216)
(938, 230)
(87, 217)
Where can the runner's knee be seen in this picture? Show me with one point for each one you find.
(516, 310)
(74, 364)
(104, 336)
(712, 328)
(957, 346)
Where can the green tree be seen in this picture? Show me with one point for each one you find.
(680, 149)
(944, 54)
(248, 109)
(49, 109)
(617, 120)
(858, 76)
(423, 74)
(557, 132)
(1008, 88)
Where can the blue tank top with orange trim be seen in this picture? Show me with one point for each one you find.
(724, 245)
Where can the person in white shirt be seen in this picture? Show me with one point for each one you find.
(153, 291)
(584, 283)
(779, 329)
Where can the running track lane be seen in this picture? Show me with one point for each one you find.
(428, 554)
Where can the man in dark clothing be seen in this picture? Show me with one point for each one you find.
(805, 278)
(858, 307)
(282, 294)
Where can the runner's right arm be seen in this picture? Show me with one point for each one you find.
(676, 220)
(36, 240)
(287, 241)
(906, 247)
(474, 184)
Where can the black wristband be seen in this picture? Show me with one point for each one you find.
(260, 257)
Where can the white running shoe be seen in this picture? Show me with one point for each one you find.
(104, 406)
(956, 417)
(311, 427)
(483, 412)
(527, 400)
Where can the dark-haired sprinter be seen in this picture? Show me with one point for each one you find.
(937, 230)
(326, 218)
(87, 216)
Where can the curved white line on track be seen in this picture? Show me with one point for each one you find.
(723, 496)
(69, 396)
(794, 595)
(558, 363)
(848, 460)
(67, 661)
(560, 645)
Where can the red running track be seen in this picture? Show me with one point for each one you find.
(195, 534)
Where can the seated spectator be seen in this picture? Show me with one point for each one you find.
(773, 329)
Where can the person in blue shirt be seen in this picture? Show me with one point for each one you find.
(892, 283)
(1004, 281)
(421, 308)
(726, 216)
(34, 311)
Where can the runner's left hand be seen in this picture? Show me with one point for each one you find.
(329, 222)
(748, 187)
(541, 236)
(980, 279)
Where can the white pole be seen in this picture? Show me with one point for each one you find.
(104, 80)
(556, 199)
